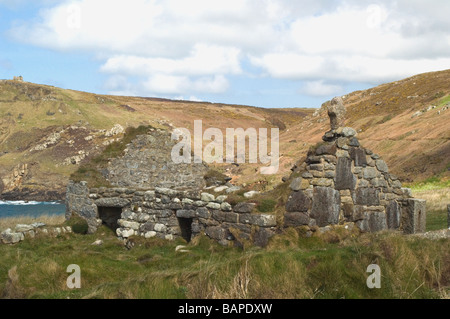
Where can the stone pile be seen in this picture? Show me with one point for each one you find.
(22, 231)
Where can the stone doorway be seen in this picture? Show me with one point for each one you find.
(186, 228)
(110, 216)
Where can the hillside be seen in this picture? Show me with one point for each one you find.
(47, 132)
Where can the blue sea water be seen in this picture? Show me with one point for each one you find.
(31, 208)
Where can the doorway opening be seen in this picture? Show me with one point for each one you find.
(186, 228)
(110, 216)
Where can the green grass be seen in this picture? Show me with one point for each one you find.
(436, 219)
(290, 267)
(444, 101)
(432, 183)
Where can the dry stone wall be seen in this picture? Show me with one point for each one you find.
(147, 163)
(168, 213)
(342, 182)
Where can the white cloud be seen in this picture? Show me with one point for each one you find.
(181, 47)
(321, 89)
(176, 84)
(203, 60)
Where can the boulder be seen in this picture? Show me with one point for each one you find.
(10, 237)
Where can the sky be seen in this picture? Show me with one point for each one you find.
(266, 53)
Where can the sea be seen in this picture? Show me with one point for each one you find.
(31, 208)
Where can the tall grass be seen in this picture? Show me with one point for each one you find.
(291, 267)
(11, 222)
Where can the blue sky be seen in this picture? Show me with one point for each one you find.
(268, 53)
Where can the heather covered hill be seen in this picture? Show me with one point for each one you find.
(46, 132)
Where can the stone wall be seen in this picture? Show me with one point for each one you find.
(147, 163)
(341, 181)
(168, 213)
(22, 231)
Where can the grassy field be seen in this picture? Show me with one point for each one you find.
(328, 265)
(332, 265)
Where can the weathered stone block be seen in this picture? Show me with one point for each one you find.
(344, 177)
(220, 199)
(262, 236)
(142, 217)
(353, 142)
(186, 213)
(324, 182)
(203, 212)
(367, 196)
(371, 221)
(326, 206)
(393, 214)
(369, 172)
(261, 220)
(342, 142)
(148, 226)
(161, 228)
(226, 207)
(215, 232)
(199, 203)
(413, 216)
(348, 209)
(347, 132)
(330, 174)
(307, 175)
(317, 174)
(298, 202)
(79, 189)
(213, 205)
(243, 208)
(296, 184)
(296, 219)
(149, 195)
(206, 197)
(381, 166)
(125, 233)
(112, 202)
(327, 149)
(127, 224)
(377, 221)
(10, 237)
(358, 155)
(175, 205)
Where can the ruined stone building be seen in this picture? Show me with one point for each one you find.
(152, 196)
(340, 182)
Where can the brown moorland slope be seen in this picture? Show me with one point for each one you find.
(47, 132)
